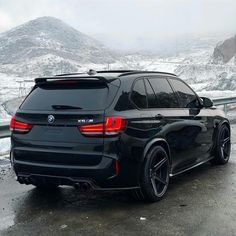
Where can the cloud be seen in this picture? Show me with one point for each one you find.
(127, 21)
(5, 21)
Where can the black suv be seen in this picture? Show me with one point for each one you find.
(115, 130)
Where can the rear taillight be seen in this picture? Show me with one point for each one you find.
(19, 127)
(111, 127)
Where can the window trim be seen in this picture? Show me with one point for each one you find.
(131, 90)
(146, 80)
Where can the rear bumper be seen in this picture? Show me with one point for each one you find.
(70, 181)
(102, 176)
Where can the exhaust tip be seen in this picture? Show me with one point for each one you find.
(27, 181)
(20, 180)
(86, 186)
(77, 186)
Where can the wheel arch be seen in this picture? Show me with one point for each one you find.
(158, 141)
(226, 122)
(221, 123)
(216, 131)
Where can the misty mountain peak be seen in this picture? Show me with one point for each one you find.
(49, 37)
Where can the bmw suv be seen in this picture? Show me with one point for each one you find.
(115, 130)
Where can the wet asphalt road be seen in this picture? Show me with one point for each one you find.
(198, 202)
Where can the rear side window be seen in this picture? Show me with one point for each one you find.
(165, 97)
(85, 96)
(187, 97)
(138, 95)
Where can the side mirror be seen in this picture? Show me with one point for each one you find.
(206, 102)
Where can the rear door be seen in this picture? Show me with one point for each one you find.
(174, 123)
(56, 110)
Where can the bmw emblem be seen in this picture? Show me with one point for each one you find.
(51, 119)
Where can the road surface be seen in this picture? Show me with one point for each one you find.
(198, 202)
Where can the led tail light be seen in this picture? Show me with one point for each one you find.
(111, 127)
(19, 127)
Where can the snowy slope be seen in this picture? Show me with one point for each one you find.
(48, 46)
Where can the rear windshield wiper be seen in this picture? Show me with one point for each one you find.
(64, 107)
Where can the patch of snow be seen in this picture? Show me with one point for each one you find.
(4, 145)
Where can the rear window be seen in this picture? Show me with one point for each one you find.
(85, 96)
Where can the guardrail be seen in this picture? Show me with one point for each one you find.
(224, 102)
(5, 129)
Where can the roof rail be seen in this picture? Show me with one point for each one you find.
(122, 72)
(93, 72)
(146, 72)
(116, 71)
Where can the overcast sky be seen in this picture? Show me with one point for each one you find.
(127, 21)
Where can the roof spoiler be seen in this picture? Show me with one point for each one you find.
(84, 78)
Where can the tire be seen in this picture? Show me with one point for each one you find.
(154, 179)
(223, 146)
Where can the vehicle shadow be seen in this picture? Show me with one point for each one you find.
(70, 206)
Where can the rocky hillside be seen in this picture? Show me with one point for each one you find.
(48, 46)
(225, 51)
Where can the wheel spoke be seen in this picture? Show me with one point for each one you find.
(154, 186)
(222, 151)
(159, 179)
(159, 164)
(225, 152)
(226, 140)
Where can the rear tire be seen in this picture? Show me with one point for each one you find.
(223, 146)
(154, 178)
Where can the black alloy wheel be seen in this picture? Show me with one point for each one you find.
(223, 146)
(154, 179)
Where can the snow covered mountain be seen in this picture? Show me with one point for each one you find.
(211, 68)
(47, 46)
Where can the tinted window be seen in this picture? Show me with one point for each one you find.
(86, 96)
(138, 95)
(186, 95)
(165, 97)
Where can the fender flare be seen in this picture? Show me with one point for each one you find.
(155, 141)
(217, 128)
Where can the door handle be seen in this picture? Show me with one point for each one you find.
(159, 116)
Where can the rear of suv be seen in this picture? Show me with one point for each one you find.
(103, 130)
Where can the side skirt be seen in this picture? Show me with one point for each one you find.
(191, 167)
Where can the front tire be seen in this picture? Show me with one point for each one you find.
(154, 178)
(223, 146)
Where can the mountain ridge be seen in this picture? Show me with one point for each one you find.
(49, 37)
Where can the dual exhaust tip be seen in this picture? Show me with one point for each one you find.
(25, 180)
(82, 186)
(78, 185)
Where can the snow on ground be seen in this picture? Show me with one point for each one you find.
(12, 87)
(4, 146)
(217, 94)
